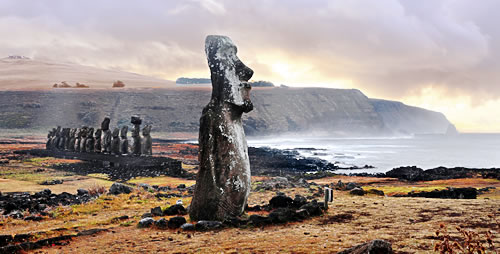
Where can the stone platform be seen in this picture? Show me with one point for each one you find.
(173, 166)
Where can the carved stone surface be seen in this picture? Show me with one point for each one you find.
(136, 137)
(72, 139)
(55, 143)
(97, 142)
(106, 137)
(115, 143)
(50, 139)
(147, 141)
(124, 140)
(78, 139)
(90, 141)
(66, 135)
(83, 147)
(223, 181)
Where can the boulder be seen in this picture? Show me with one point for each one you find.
(357, 192)
(280, 201)
(350, 186)
(313, 208)
(162, 223)
(207, 225)
(258, 220)
(372, 247)
(81, 192)
(118, 188)
(146, 222)
(449, 193)
(376, 192)
(175, 210)
(299, 201)
(187, 227)
(176, 222)
(156, 211)
(407, 173)
(282, 215)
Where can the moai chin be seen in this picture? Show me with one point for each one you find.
(97, 143)
(115, 142)
(106, 135)
(136, 137)
(123, 140)
(147, 141)
(223, 181)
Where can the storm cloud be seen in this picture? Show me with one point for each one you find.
(388, 48)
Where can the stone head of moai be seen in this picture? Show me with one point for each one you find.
(90, 133)
(228, 73)
(105, 124)
(146, 131)
(78, 132)
(84, 131)
(98, 134)
(116, 133)
(123, 131)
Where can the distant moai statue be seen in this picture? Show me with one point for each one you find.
(124, 140)
(97, 141)
(136, 136)
(50, 139)
(72, 139)
(83, 147)
(90, 141)
(223, 180)
(57, 138)
(66, 137)
(106, 137)
(78, 139)
(115, 142)
(147, 141)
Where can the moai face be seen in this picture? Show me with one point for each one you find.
(98, 134)
(146, 130)
(229, 75)
(116, 133)
(105, 124)
(84, 131)
(123, 132)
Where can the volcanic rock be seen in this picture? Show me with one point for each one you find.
(176, 222)
(372, 247)
(118, 188)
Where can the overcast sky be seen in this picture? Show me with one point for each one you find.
(442, 55)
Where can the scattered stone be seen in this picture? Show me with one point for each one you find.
(235, 222)
(162, 223)
(34, 218)
(145, 186)
(146, 222)
(376, 192)
(118, 188)
(449, 193)
(176, 222)
(81, 192)
(207, 225)
(187, 227)
(351, 186)
(258, 220)
(357, 192)
(372, 247)
(147, 215)
(299, 201)
(52, 182)
(282, 215)
(313, 208)
(175, 210)
(406, 173)
(156, 211)
(181, 186)
(280, 201)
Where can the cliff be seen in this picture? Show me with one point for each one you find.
(277, 110)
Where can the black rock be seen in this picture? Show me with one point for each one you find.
(175, 210)
(156, 211)
(282, 215)
(181, 186)
(147, 215)
(313, 208)
(34, 218)
(176, 222)
(207, 225)
(449, 193)
(162, 223)
(299, 201)
(376, 192)
(258, 220)
(351, 186)
(407, 173)
(187, 227)
(280, 201)
(301, 214)
(51, 182)
(372, 247)
(357, 192)
(118, 188)
(81, 192)
(146, 222)
(235, 222)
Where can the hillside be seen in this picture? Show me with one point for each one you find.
(19, 73)
(277, 110)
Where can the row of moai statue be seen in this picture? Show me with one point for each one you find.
(102, 140)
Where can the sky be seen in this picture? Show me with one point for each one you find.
(437, 54)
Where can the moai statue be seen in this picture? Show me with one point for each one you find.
(106, 137)
(97, 143)
(50, 139)
(90, 141)
(147, 141)
(115, 142)
(83, 148)
(136, 137)
(124, 140)
(57, 138)
(65, 139)
(72, 139)
(223, 180)
(78, 139)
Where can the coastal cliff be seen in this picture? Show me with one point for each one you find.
(277, 111)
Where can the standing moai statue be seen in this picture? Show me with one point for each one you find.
(124, 140)
(147, 141)
(106, 137)
(72, 139)
(97, 142)
(50, 139)
(223, 180)
(78, 139)
(136, 136)
(83, 147)
(65, 139)
(57, 138)
(90, 141)
(115, 142)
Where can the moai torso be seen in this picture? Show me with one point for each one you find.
(136, 136)
(72, 139)
(66, 135)
(97, 142)
(223, 180)
(147, 141)
(115, 142)
(50, 138)
(124, 140)
(89, 143)
(106, 136)
(78, 139)
(57, 138)
(83, 147)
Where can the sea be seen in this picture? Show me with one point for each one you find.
(470, 150)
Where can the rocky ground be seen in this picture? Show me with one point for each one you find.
(144, 215)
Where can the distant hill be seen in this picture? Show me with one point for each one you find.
(18, 72)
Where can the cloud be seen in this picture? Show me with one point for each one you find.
(389, 49)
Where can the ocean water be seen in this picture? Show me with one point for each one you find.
(386, 153)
